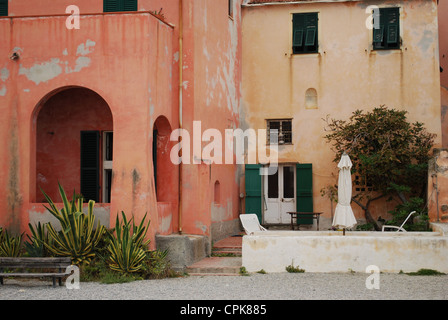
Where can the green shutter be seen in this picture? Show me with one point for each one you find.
(253, 190)
(378, 35)
(310, 36)
(3, 7)
(304, 191)
(388, 36)
(298, 38)
(111, 5)
(120, 5)
(304, 32)
(90, 168)
(130, 5)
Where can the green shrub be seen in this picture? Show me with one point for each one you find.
(35, 246)
(127, 246)
(78, 237)
(10, 246)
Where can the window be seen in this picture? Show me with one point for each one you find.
(108, 141)
(119, 5)
(284, 130)
(217, 193)
(3, 8)
(304, 33)
(387, 36)
(90, 142)
(230, 9)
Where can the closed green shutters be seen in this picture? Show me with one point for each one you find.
(3, 8)
(304, 190)
(253, 190)
(90, 166)
(387, 36)
(120, 5)
(304, 33)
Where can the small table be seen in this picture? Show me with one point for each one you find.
(295, 215)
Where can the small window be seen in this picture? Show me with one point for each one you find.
(3, 8)
(284, 129)
(304, 33)
(230, 8)
(387, 36)
(119, 5)
(217, 193)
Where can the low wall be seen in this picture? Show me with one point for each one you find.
(329, 251)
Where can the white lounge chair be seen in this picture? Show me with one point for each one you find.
(400, 228)
(250, 223)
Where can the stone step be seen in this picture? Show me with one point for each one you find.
(223, 266)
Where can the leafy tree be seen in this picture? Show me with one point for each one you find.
(388, 153)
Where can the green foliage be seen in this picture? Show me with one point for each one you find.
(35, 246)
(157, 265)
(417, 222)
(293, 269)
(426, 272)
(388, 153)
(127, 246)
(78, 237)
(10, 246)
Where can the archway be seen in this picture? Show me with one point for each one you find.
(164, 169)
(74, 144)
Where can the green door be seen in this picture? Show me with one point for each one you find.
(253, 190)
(304, 191)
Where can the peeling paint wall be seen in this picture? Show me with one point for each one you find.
(346, 74)
(117, 56)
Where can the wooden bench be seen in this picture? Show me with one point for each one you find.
(30, 265)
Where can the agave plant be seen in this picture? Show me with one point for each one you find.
(10, 246)
(127, 245)
(78, 237)
(35, 247)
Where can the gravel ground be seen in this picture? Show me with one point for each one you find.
(275, 286)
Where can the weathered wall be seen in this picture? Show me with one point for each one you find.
(126, 59)
(211, 94)
(346, 73)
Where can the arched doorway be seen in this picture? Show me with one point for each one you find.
(74, 145)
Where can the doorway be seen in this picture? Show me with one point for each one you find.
(279, 195)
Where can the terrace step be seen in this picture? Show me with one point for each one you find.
(216, 266)
(220, 266)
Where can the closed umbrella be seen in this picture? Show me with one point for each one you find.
(343, 216)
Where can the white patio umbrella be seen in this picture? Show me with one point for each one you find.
(343, 216)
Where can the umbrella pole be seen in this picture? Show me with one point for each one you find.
(343, 231)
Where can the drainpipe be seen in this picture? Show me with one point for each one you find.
(180, 107)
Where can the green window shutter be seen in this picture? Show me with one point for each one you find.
(253, 190)
(304, 32)
(304, 191)
(378, 35)
(310, 36)
(298, 38)
(111, 5)
(388, 36)
(3, 8)
(120, 5)
(130, 5)
(90, 167)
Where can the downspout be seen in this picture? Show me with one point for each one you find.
(180, 107)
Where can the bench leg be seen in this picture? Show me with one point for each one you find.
(54, 282)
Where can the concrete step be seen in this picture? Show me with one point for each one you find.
(216, 266)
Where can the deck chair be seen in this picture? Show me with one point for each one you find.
(250, 223)
(400, 228)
